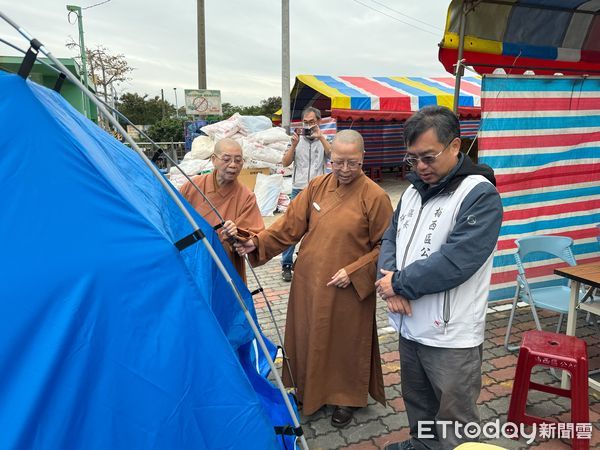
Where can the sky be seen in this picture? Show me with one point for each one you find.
(243, 40)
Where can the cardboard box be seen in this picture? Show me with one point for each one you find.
(248, 176)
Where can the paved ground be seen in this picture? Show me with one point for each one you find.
(375, 426)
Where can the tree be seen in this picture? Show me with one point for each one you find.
(104, 68)
(270, 106)
(267, 108)
(167, 130)
(144, 111)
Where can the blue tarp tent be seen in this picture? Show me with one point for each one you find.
(110, 338)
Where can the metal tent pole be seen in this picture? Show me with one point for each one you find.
(182, 208)
(459, 63)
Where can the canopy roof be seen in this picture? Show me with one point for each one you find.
(381, 98)
(545, 36)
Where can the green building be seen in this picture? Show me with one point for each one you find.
(45, 76)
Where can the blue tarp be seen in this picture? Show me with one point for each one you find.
(110, 338)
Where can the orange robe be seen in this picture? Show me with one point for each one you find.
(234, 201)
(331, 333)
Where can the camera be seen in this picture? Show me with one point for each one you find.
(304, 131)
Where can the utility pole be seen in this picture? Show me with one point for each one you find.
(201, 46)
(77, 10)
(285, 64)
(162, 104)
(176, 104)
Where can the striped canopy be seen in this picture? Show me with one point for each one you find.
(384, 98)
(546, 36)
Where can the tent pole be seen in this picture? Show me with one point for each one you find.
(211, 205)
(180, 205)
(459, 65)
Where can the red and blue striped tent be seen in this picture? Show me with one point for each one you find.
(542, 137)
(546, 36)
(378, 106)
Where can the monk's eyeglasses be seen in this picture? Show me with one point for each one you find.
(228, 159)
(339, 164)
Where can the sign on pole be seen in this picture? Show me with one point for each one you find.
(202, 102)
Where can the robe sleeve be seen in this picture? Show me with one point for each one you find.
(363, 271)
(287, 230)
(248, 221)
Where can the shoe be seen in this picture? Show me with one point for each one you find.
(286, 272)
(404, 445)
(342, 415)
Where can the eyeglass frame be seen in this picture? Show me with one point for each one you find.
(241, 159)
(352, 165)
(433, 158)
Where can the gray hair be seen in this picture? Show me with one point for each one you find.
(350, 137)
(226, 142)
(310, 109)
(441, 119)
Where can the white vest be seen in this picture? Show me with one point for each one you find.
(454, 318)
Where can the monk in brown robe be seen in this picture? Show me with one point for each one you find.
(234, 201)
(331, 333)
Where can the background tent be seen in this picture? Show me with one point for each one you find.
(110, 337)
(546, 36)
(377, 106)
(542, 137)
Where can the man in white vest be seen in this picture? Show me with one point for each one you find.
(435, 266)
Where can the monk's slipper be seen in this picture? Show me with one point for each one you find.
(342, 415)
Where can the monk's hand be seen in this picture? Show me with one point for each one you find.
(399, 304)
(340, 279)
(384, 284)
(243, 248)
(229, 230)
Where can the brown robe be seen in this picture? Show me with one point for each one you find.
(234, 201)
(331, 333)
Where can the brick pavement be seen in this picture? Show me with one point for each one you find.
(375, 426)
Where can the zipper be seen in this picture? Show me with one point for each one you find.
(309, 160)
(446, 312)
(412, 235)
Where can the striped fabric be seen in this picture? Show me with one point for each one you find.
(406, 94)
(384, 141)
(542, 137)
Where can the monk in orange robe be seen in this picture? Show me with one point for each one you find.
(234, 201)
(331, 332)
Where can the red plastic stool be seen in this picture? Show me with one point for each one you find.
(540, 348)
(374, 173)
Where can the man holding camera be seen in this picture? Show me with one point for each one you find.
(309, 152)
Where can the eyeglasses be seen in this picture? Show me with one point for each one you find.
(228, 159)
(309, 123)
(339, 164)
(427, 159)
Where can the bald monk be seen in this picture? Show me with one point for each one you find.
(331, 334)
(234, 201)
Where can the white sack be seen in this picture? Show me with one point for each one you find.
(260, 152)
(202, 148)
(252, 124)
(267, 191)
